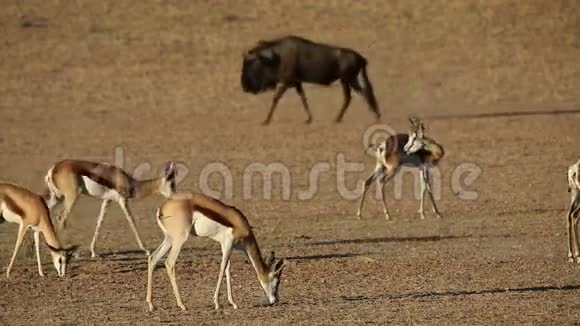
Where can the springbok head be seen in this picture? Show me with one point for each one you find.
(415, 142)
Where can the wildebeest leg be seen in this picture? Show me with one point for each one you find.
(279, 92)
(300, 92)
(347, 98)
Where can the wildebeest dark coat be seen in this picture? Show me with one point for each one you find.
(291, 60)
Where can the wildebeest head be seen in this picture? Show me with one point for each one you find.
(260, 69)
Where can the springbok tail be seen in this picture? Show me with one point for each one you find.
(52, 194)
(573, 179)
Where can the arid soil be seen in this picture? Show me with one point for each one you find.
(138, 83)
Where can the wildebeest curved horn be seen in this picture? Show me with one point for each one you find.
(267, 54)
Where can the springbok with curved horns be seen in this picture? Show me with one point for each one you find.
(68, 179)
(202, 216)
(29, 210)
(573, 212)
(413, 150)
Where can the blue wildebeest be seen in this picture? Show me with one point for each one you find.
(291, 60)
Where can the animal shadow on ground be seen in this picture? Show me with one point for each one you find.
(432, 238)
(450, 293)
(363, 241)
(500, 114)
(126, 261)
(328, 256)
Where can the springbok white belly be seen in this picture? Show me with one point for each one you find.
(100, 191)
(204, 226)
(9, 215)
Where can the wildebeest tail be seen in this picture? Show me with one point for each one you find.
(363, 85)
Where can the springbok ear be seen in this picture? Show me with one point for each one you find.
(65, 251)
(70, 250)
(415, 121)
(420, 127)
(279, 266)
(169, 169)
(270, 259)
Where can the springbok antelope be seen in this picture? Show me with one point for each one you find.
(199, 215)
(29, 210)
(412, 150)
(68, 179)
(573, 212)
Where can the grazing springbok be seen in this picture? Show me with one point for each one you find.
(291, 60)
(68, 179)
(413, 150)
(29, 210)
(573, 212)
(202, 216)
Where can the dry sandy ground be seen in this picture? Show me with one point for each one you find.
(497, 82)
